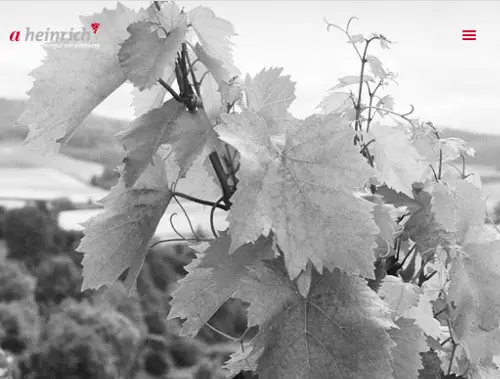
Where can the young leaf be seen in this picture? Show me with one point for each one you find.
(336, 102)
(214, 34)
(351, 79)
(186, 132)
(376, 67)
(71, 82)
(410, 342)
(303, 190)
(269, 93)
(400, 296)
(118, 237)
(148, 50)
(473, 293)
(396, 159)
(454, 147)
(386, 102)
(460, 207)
(212, 279)
(169, 16)
(357, 38)
(317, 336)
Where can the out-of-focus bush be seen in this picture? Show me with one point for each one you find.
(19, 325)
(496, 214)
(15, 282)
(58, 278)
(116, 297)
(71, 351)
(84, 341)
(27, 233)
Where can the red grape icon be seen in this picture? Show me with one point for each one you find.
(95, 26)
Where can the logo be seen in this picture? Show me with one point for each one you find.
(58, 38)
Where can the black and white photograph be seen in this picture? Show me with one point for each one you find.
(249, 189)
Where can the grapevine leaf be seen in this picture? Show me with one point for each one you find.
(383, 219)
(397, 199)
(318, 336)
(351, 79)
(148, 50)
(432, 366)
(220, 71)
(152, 98)
(473, 292)
(357, 38)
(169, 16)
(269, 93)
(396, 159)
(118, 237)
(301, 189)
(376, 67)
(186, 132)
(304, 280)
(454, 147)
(410, 342)
(422, 227)
(210, 95)
(425, 140)
(214, 34)
(336, 102)
(422, 313)
(459, 206)
(212, 279)
(242, 360)
(71, 82)
(485, 371)
(386, 102)
(400, 296)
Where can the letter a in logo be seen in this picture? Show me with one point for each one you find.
(14, 36)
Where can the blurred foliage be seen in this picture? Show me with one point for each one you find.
(55, 331)
(496, 214)
(27, 233)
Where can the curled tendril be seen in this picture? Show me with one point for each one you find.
(212, 211)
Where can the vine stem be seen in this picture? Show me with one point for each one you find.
(360, 91)
(170, 90)
(388, 111)
(200, 201)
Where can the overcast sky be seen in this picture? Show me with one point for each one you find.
(451, 82)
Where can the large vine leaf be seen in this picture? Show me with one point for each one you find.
(117, 238)
(212, 279)
(214, 34)
(188, 133)
(148, 50)
(318, 336)
(71, 82)
(396, 159)
(269, 93)
(410, 342)
(303, 189)
(473, 292)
